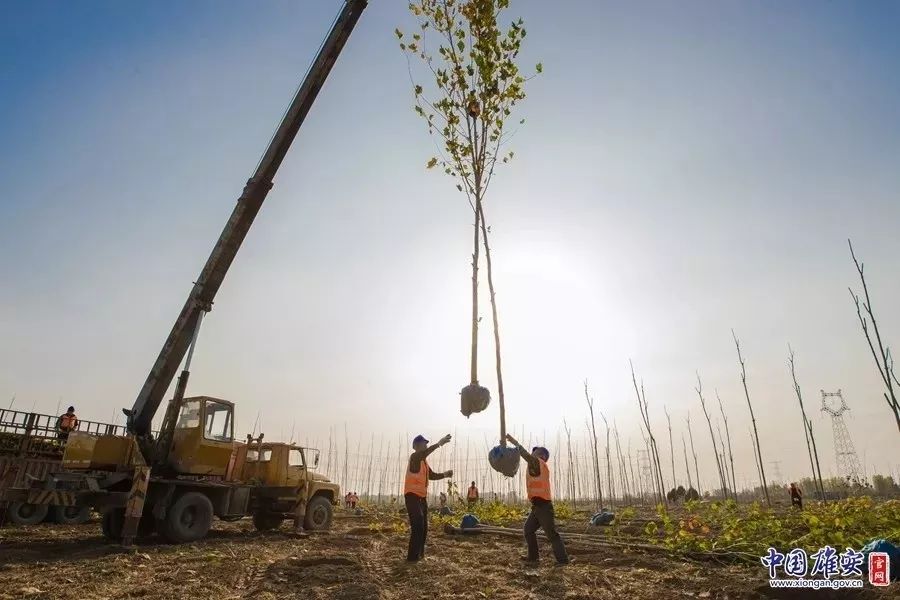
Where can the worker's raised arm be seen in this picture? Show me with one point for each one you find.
(533, 462)
(420, 455)
(432, 476)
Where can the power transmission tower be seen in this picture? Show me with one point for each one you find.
(848, 465)
(776, 470)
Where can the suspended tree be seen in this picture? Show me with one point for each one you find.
(882, 354)
(759, 458)
(472, 83)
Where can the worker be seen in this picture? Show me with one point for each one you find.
(66, 423)
(354, 499)
(796, 496)
(300, 509)
(472, 496)
(537, 485)
(415, 493)
(442, 500)
(347, 499)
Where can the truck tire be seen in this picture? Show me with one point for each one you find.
(71, 515)
(318, 514)
(112, 523)
(264, 521)
(22, 513)
(188, 519)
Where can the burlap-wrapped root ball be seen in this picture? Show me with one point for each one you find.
(473, 399)
(504, 459)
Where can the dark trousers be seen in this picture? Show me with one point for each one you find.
(541, 517)
(417, 509)
(797, 501)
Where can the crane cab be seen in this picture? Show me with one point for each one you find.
(203, 439)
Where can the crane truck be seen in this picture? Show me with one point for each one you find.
(194, 469)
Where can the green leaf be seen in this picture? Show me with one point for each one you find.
(418, 90)
(399, 34)
(539, 68)
(431, 163)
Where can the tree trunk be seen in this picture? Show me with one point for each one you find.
(490, 278)
(475, 254)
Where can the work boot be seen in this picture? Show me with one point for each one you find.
(568, 561)
(300, 532)
(529, 561)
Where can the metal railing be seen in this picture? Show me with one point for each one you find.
(45, 426)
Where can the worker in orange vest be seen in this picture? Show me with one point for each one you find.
(415, 492)
(472, 495)
(537, 485)
(66, 423)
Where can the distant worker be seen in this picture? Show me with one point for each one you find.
(347, 499)
(442, 500)
(415, 493)
(66, 423)
(796, 496)
(537, 484)
(354, 499)
(472, 495)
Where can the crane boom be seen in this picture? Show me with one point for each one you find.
(201, 297)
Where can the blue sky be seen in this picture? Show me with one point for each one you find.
(686, 168)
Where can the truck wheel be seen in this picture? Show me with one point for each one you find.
(318, 514)
(22, 513)
(266, 521)
(112, 523)
(71, 515)
(188, 519)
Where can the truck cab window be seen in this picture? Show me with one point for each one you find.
(189, 417)
(295, 458)
(218, 422)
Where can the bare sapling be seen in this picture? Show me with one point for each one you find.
(728, 436)
(658, 482)
(807, 429)
(594, 450)
(671, 448)
(762, 467)
(722, 483)
(882, 354)
(694, 453)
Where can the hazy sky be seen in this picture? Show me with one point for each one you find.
(686, 168)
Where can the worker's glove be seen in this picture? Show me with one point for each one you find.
(445, 440)
(448, 473)
(512, 440)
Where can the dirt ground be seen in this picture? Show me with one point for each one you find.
(354, 562)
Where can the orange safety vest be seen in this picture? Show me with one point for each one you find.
(473, 493)
(67, 422)
(417, 483)
(539, 487)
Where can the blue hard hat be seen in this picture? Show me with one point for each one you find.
(419, 438)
